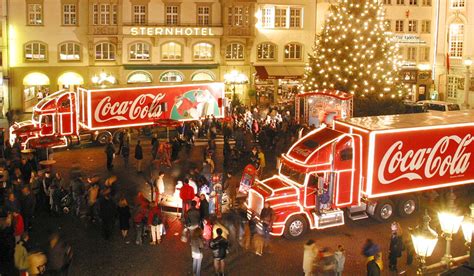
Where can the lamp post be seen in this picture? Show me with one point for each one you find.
(450, 222)
(468, 231)
(424, 241)
(467, 82)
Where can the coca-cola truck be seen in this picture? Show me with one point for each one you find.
(66, 117)
(368, 166)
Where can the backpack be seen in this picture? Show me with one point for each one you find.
(156, 220)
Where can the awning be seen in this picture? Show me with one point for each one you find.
(279, 72)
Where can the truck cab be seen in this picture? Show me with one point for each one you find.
(318, 176)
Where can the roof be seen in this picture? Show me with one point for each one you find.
(307, 145)
(412, 120)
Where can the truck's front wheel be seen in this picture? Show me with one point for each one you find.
(295, 227)
(384, 210)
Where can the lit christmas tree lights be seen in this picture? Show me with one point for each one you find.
(354, 52)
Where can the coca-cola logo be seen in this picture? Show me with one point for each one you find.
(107, 110)
(399, 163)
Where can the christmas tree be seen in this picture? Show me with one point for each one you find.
(355, 53)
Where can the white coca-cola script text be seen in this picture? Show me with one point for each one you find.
(140, 108)
(399, 163)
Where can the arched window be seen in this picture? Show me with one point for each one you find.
(234, 51)
(293, 51)
(171, 51)
(139, 77)
(105, 51)
(35, 51)
(203, 76)
(69, 51)
(203, 51)
(171, 76)
(456, 40)
(139, 51)
(266, 51)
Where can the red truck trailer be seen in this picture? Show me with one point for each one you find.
(67, 117)
(368, 166)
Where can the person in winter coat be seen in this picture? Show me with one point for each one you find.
(125, 154)
(140, 219)
(193, 216)
(28, 203)
(219, 246)
(309, 257)
(107, 214)
(18, 224)
(124, 215)
(396, 246)
(203, 208)
(21, 254)
(59, 256)
(187, 195)
(340, 259)
(373, 268)
(197, 245)
(160, 187)
(155, 222)
(109, 152)
(231, 185)
(139, 156)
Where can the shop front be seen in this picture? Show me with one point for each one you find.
(36, 86)
(418, 83)
(277, 84)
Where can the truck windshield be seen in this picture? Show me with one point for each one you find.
(292, 174)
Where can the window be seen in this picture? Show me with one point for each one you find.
(293, 51)
(412, 26)
(234, 51)
(426, 3)
(139, 77)
(204, 15)
(139, 51)
(399, 26)
(456, 40)
(69, 51)
(387, 2)
(266, 51)
(35, 14)
(452, 88)
(400, 2)
(413, 2)
(171, 51)
(104, 14)
(411, 53)
(456, 4)
(203, 51)
(346, 154)
(69, 14)
(238, 16)
(424, 53)
(139, 14)
(295, 18)
(171, 76)
(105, 51)
(35, 51)
(426, 26)
(280, 18)
(203, 76)
(388, 25)
(172, 15)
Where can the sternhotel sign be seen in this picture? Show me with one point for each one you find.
(172, 31)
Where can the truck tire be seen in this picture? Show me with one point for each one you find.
(384, 210)
(103, 137)
(407, 206)
(295, 227)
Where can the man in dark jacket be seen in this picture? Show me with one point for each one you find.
(267, 216)
(373, 268)
(107, 214)
(110, 151)
(219, 247)
(193, 217)
(139, 156)
(28, 204)
(203, 208)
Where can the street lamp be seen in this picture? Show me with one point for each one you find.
(424, 241)
(102, 79)
(467, 82)
(450, 222)
(468, 231)
(233, 78)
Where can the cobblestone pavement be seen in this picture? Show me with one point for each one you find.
(95, 256)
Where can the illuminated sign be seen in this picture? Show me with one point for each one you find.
(172, 31)
(409, 39)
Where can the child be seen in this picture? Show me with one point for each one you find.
(340, 259)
